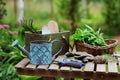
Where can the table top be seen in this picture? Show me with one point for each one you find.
(110, 70)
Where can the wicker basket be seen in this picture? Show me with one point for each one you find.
(97, 50)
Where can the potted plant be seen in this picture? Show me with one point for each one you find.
(92, 41)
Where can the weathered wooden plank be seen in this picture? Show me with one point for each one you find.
(89, 67)
(119, 64)
(89, 70)
(69, 79)
(61, 57)
(50, 78)
(44, 67)
(116, 54)
(100, 73)
(22, 63)
(20, 67)
(42, 70)
(77, 73)
(53, 70)
(47, 70)
(65, 68)
(76, 69)
(65, 72)
(118, 59)
(31, 66)
(53, 67)
(113, 70)
(30, 69)
(101, 68)
(113, 76)
(112, 67)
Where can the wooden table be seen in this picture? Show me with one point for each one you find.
(109, 71)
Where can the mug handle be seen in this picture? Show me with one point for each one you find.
(55, 55)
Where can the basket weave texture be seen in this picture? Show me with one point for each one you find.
(97, 50)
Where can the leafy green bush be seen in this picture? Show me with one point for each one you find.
(9, 73)
(70, 10)
(7, 62)
(8, 55)
(112, 17)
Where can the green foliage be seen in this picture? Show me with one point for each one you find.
(9, 73)
(2, 9)
(112, 17)
(69, 9)
(7, 70)
(107, 56)
(8, 55)
(39, 11)
(7, 37)
(117, 48)
(89, 36)
(28, 25)
(31, 78)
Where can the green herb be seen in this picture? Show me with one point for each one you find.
(89, 36)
